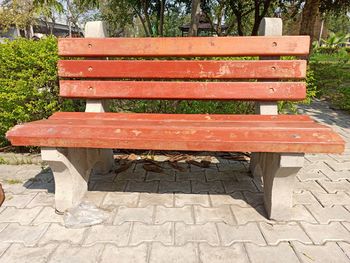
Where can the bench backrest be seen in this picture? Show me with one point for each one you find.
(159, 68)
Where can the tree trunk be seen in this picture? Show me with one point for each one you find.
(161, 19)
(195, 16)
(147, 19)
(2, 195)
(259, 16)
(308, 20)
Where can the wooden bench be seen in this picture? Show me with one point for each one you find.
(74, 143)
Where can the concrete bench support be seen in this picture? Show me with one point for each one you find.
(279, 174)
(71, 169)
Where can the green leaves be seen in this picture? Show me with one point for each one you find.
(28, 82)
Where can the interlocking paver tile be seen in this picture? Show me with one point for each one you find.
(3, 226)
(336, 176)
(235, 198)
(42, 199)
(67, 253)
(324, 215)
(214, 175)
(125, 254)
(340, 198)
(248, 214)
(272, 254)
(59, 233)
(345, 247)
(339, 166)
(254, 199)
(300, 213)
(48, 215)
(149, 233)
(95, 197)
(311, 186)
(231, 186)
(3, 248)
(207, 187)
(234, 253)
(108, 234)
(311, 175)
(283, 232)
(327, 253)
(160, 253)
(137, 175)
(347, 225)
(29, 235)
(217, 214)
(18, 201)
(167, 214)
(196, 233)
(126, 214)
(148, 187)
(320, 234)
(235, 234)
(338, 186)
(304, 198)
(167, 175)
(165, 199)
(175, 187)
(121, 199)
(191, 199)
(19, 188)
(117, 186)
(23, 216)
(190, 176)
(18, 253)
(232, 166)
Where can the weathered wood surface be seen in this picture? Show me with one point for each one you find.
(183, 90)
(169, 134)
(182, 69)
(189, 46)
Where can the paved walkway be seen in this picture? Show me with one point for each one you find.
(185, 213)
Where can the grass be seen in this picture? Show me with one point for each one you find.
(332, 75)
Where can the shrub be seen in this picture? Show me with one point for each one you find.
(28, 82)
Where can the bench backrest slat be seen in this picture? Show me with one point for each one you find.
(220, 79)
(182, 90)
(259, 69)
(183, 47)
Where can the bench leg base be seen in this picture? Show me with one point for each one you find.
(71, 168)
(279, 174)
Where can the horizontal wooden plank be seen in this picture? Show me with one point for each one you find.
(182, 69)
(189, 46)
(181, 117)
(177, 135)
(183, 90)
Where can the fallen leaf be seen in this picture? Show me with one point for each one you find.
(123, 167)
(150, 167)
(176, 166)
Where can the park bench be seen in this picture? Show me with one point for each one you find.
(75, 143)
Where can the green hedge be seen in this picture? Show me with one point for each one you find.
(29, 89)
(28, 82)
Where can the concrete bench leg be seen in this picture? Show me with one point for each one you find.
(279, 174)
(71, 168)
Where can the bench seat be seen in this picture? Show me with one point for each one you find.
(193, 132)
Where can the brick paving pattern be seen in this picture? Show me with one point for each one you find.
(185, 213)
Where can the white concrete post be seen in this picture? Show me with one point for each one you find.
(97, 29)
(269, 27)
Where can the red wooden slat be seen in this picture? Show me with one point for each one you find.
(182, 69)
(189, 46)
(267, 137)
(181, 117)
(183, 90)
